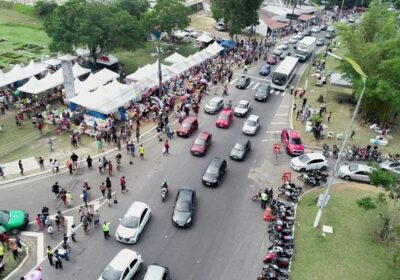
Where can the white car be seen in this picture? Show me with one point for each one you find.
(123, 266)
(251, 125)
(392, 166)
(277, 52)
(355, 172)
(220, 26)
(214, 105)
(191, 33)
(292, 40)
(285, 46)
(315, 29)
(133, 222)
(179, 34)
(311, 161)
(242, 108)
(331, 29)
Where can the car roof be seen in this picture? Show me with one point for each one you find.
(243, 101)
(242, 141)
(361, 167)
(216, 160)
(203, 135)
(137, 208)
(266, 66)
(315, 156)
(123, 259)
(190, 119)
(226, 111)
(253, 118)
(216, 99)
(154, 270)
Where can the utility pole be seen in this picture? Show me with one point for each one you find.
(291, 18)
(158, 48)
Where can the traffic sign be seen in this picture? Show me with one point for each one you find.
(292, 16)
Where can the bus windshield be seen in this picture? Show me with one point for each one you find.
(279, 79)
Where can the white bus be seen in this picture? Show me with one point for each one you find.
(284, 73)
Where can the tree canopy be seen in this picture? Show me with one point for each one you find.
(166, 15)
(43, 8)
(102, 28)
(134, 7)
(374, 45)
(237, 14)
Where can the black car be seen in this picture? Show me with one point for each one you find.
(240, 149)
(262, 93)
(184, 206)
(243, 82)
(215, 171)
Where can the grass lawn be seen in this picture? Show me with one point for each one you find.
(9, 262)
(351, 252)
(341, 112)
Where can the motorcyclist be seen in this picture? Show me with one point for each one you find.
(164, 185)
(264, 200)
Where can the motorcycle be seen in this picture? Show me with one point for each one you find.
(335, 151)
(325, 147)
(291, 195)
(281, 237)
(164, 192)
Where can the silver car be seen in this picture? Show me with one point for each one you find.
(391, 166)
(214, 105)
(242, 108)
(251, 125)
(355, 172)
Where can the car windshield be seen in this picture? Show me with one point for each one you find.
(4, 217)
(242, 106)
(130, 221)
(223, 117)
(295, 141)
(111, 274)
(183, 206)
(213, 103)
(212, 170)
(353, 167)
(186, 125)
(238, 147)
(200, 142)
(251, 123)
(242, 81)
(304, 158)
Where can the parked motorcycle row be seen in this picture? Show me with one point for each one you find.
(280, 229)
(290, 191)
(367, 153)
(313, 178)
(326, 151)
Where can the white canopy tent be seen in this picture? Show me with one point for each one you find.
(52, 62)
(33, 86)
(78, 70)
(67, 57)
(205, 38)
(105, 75)
(19, 73)
(338, 80)
(150, 71)
(175, 58)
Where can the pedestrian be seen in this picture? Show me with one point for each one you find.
(99, 146)
(39, 223)
(102, 188)
(137, 134)
(89, 162)
(109, 196)
(68, 196)
(97, 218)
(141, 151)
(353, 132)
(85, 197)
(63, 197)
(108, 183)
(61, 218)
(106, 230)
(294, 107)
(41, 164)
(166, 148)
(2, 172)
(329, 117)
(110, 168)
(21, 168)
(291, 90)
(14, 250)
(56, 166)
(51, 145)
(85, 223)
(100, 164)
(73, 233)
(58, 259)
(18, 241)
(132, 149)
(57, 220)
(304, 102)
(70, 167)
(55, 189)
(264, 199)
(123, 184)
(50, 255)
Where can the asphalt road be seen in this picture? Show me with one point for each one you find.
(227, 239)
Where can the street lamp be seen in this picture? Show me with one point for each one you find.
(333, 174)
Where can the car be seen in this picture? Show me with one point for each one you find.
(242, 108)
(292, 40)
(262, 92)
(331, 29)
(157, 271)
(277, 52)
(283, 56)
(187, 127)
(133, 222)
(220, 26)
(307, 32)
(251, 125)
(13, 221)
(214, 172)
(243, 82)
(123, 266)
(191, 33)
(225, 118)
(315, 29)
(285, 46)
(391, 166)
(240, 149)
(265, 70)
(295, 46)
(179, 34)
(311, 161)
(355, 172)
(201, 144)
(320, 42)
(272, 59)
(184, 206)
(328, 36)
(214, 105)
(292, 142)
(300, 35)
(351, 20)
(323, 27)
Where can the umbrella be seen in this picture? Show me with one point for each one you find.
(182, 98)
(34, 274)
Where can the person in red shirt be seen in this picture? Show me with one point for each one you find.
(123, 184)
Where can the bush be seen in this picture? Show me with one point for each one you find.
(366, 203)
(43, 8)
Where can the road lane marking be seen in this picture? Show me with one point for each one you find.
(233, 81)
(272, 131)
(276, 92)
(252, 77)
(255, 86)
(284, 106)
(279, 123)
(252, 82)
(281, 114)
(283, 93)
(40, 244)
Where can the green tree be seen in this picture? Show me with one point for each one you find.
(43, 8)
(166, 16)
(134, 7)
(237, 14)
(373, 43)
(102, 28)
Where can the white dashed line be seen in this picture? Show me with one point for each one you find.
(255, 86)
(252, 82)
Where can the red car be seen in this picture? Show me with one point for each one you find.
(225, 118)
(201, 144)
(187, 127)
(273, 59)
(292, 142)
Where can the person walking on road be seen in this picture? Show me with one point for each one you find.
(55, 189)
(50, 255)
(109, 168)
(264, 199)
(41, 164)
(97, 218)
(58, 259)
(21, 167)
(100, 164)
(68, 196)
(166, 148)
(106, 230)
(102, 188)
(141, 151)
(73, 233)
(89, 162)
(123, 184)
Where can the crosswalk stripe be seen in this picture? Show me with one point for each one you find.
(255, 86)
(283, 93)
(276, 92)
(252, 82)
(233, 81)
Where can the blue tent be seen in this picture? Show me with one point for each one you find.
(228, 44)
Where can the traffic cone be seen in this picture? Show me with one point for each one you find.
(267, 214)
(115, 199)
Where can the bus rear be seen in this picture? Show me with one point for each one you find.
(284, 73)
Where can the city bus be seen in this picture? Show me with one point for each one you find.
(284, 73)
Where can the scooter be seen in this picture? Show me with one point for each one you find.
(325, 147)
(164, 192)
